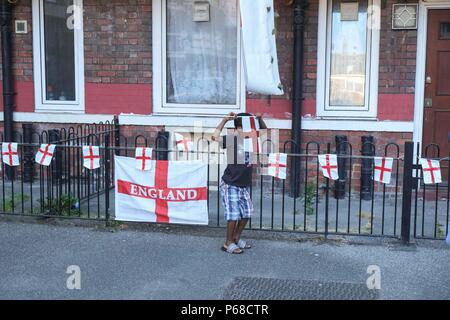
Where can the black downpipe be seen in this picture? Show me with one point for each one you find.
(28, 153)
(299, 24)
(341, 149)
(8, 81)
(367, 167)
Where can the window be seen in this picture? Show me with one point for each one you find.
(197, 57)
(58, 55)
(348, 59)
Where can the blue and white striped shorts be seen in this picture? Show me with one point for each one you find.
(236, 201)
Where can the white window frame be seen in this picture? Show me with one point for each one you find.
(41, 104)
(160, 106)
(324, 110)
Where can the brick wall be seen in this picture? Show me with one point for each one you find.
(23, 45)
(117, 40)
(118, 50)
(397, 55)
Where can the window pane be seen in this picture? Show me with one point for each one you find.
(201, 56)
(59, 51)
(348, 54)
(445, 31)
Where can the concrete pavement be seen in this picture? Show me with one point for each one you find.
(162, 264)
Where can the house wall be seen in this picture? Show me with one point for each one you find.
(118, 62)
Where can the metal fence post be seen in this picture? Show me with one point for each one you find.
(327, 197)
(367, 167)
(407, 192)
(28, 154)
(116, 135)
(341, 149)
(107, 176)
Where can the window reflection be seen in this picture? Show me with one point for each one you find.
(348, 57)
(59, 51)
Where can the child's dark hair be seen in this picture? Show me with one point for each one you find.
(238, 120)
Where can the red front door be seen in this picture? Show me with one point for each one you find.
(437, 83)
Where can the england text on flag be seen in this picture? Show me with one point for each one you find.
(170, 192)
(183, 144)
(328, 163)
(91, 157)
(143, 158)
(431, 171)
(382, 169)
(277, 165)
(10, 155)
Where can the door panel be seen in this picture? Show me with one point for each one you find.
(437, 85)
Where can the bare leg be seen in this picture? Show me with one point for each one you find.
(231, 228)
(239, 229)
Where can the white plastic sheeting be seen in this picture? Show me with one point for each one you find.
(260, 51)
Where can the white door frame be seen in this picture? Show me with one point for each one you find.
(421, 58)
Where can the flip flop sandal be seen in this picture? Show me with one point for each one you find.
(232, 249)
(243, 245)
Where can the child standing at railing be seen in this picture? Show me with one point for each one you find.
(236, 182)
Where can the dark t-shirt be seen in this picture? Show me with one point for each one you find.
(239, 170)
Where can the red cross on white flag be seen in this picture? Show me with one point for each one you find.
(383, 169)
(183, 144)
(10, 154)
(144, 158)
(170, 192)
(250, 126)
(328, 163)
(277, 165)
(91, 157)
(45, 154)
(431, 171)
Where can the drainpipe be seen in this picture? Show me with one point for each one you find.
(8, 81)
(297, 95)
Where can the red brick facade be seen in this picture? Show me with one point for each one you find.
(118, 61)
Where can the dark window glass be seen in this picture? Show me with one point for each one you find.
(59, 51)
(445, 30)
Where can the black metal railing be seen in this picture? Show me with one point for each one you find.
(65, 189)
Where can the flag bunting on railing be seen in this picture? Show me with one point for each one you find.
(91, 157)
(144, 159)
(183, 144)
(277, 165)
(431, 171)
(328, 164)
(10, 155)
(382, 169)
(45, 154)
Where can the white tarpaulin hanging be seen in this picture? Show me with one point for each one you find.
(260, 50)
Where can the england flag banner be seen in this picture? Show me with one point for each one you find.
(383, 169)
(431, 171)
(170, 192)
(10, 155)
(45, 154)
(328, 163)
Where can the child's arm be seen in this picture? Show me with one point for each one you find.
(216, 134)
